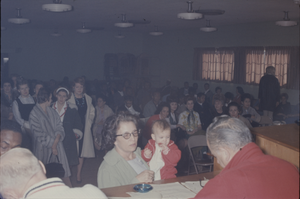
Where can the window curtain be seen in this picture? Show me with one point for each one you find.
(254, 62)
(214, 64)
(279, 57)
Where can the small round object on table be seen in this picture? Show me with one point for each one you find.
(143, 188)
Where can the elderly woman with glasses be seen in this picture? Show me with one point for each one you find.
(123, 163)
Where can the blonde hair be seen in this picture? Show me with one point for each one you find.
(17, 166)
(160, 125)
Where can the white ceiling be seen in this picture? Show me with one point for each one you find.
(162, 13)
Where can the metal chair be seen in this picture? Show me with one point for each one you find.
(198, 141)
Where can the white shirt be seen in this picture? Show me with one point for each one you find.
(62, 112)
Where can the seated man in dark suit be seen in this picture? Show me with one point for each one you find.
(248, 172)
(202, 108)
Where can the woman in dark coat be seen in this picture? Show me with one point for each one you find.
(71, 123)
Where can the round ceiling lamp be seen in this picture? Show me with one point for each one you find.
(190, 14)
(208, 28)
(57, 6)
(156, 32)
(124, 23)
(19, 19)
(286, 21)
(83, 29)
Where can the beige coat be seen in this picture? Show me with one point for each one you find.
(88, 144)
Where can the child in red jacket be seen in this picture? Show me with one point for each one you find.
(161, 154)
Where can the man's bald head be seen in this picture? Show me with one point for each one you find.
(18, 167)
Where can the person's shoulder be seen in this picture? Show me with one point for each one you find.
(90, 191)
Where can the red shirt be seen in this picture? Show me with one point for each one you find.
(170, 157)
(251, 174)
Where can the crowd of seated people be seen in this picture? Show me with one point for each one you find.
(69, 119)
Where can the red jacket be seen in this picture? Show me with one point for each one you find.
(251, 174)
(170, 157)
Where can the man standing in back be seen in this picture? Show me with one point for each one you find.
(269, 92)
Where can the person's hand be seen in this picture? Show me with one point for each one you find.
(148, 153)
(163, 146)
(252, 117)
(146, 176)
(54, 150)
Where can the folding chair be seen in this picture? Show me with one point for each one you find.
(198, 141)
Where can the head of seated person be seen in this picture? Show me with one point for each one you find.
(161, 133)
(163, 110)
(20, 169)
(218, 105)
(246, 100)
(234, 109)
(121, 132)
(225, 137)
(11, 135)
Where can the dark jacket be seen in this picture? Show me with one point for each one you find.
(204, 113)
(269, 92)
(71, 121)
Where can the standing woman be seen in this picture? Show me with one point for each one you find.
(86, 112)
(21, 108)
(71, 123)
(48, 133)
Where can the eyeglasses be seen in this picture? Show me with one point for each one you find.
(128, 135)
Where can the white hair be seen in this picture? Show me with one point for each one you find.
(229, 132)
(17, 167)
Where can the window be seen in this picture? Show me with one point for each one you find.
(257, 60)
(216, 65)
(246, 65)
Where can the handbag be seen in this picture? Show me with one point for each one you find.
(54, 169)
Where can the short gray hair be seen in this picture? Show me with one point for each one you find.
(229, 132)
(270, 69)
(17, 166)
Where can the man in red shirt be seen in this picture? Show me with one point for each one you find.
(247, 173)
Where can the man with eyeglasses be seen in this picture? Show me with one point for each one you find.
(123, 163)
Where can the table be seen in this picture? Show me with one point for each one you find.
(280, 141)
(120, 191)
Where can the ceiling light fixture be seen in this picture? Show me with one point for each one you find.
(156, 32)
(124, 23)
(208, 28)
(57, 6)
(83, 29)
(190, 14)
(119, 36)
(286, 21)
(19, 19)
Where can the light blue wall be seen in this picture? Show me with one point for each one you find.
(46, 57)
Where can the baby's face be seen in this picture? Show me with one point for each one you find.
(162, 137)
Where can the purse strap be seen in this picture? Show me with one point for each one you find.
(51, 156)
